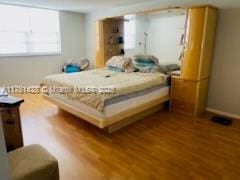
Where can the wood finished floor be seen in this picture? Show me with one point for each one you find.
(162, 146)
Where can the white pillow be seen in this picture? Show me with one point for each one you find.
(121, 62)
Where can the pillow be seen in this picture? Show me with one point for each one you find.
(147, 69)
(150, 68)
(168, 68)
(143, 64)
(146, 59)
(116, 69)
(146, 63)
(121, 62)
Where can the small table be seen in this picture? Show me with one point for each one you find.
(9, 111)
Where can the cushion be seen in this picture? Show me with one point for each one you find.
(33, 163)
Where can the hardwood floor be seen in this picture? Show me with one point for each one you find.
(163, 146)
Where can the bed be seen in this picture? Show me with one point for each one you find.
(108, 99)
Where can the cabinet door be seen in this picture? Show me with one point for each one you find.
(12, 128)
(183, 107)
(183, 96)
(202, 94)
(99, 46)
(193, 43)
(208, 42)
(184, 90)
(189, 97)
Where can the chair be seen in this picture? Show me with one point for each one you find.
(33, 163)
(75, 66)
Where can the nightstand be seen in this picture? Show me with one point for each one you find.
(9, 111)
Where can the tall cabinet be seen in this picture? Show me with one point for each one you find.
(189, 91)
(109, 39)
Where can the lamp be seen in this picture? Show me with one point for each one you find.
(145, 42)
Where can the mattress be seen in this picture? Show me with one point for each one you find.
(113, 109)
(132, 95)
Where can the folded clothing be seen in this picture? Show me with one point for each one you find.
(120, 64)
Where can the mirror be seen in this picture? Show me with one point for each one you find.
(159, 33)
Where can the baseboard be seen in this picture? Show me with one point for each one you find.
(231, 115)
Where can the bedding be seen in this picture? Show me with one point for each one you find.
(146, 64)
(169, 68)
(151, 64)
(112, 68)
(120, 63)
(147, 68)
(172, 67)
(122, 83)
(146, 59)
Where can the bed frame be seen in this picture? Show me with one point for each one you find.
(117, 121)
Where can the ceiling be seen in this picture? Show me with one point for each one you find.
(93, 5)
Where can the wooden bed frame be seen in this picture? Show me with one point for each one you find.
(117, 121)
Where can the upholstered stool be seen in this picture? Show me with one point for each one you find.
(33, 163)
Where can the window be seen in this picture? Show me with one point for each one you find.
(129, 32)
(28, 31)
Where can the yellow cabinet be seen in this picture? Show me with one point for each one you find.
(188, 97)
(184, 90)
(199, 43)
(189, 91)
(100, 62)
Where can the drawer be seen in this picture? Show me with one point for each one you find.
(182, 107)
(184, 90)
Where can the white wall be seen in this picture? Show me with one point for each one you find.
(224, 91)
(30, 70)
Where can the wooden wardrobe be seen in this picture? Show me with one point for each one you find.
(189, 91)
